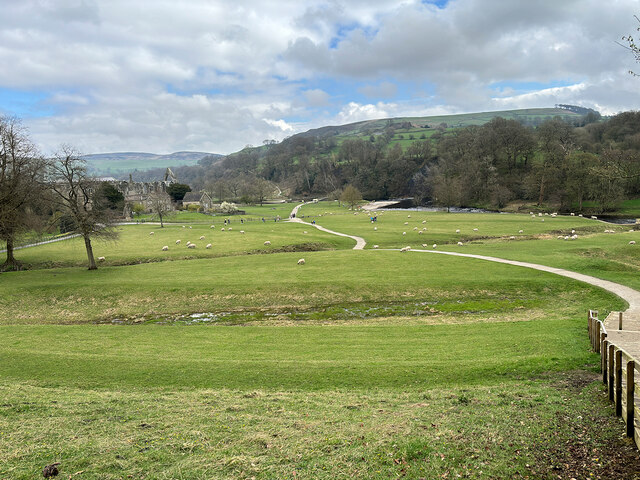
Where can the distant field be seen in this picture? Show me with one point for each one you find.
(124, 162)
(236, 362)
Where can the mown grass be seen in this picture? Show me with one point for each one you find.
(358, 364)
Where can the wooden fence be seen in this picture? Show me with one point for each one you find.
(619, 374)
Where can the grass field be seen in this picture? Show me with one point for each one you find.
(236, 362)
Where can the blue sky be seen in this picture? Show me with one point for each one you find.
(127, 75)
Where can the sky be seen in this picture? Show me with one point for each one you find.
(162, 76)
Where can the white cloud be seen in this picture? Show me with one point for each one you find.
(382, 90)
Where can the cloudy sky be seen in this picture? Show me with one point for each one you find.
(214, 75)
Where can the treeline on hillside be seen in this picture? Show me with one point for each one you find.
(489, 165)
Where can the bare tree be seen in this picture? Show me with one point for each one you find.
(160, 204)
(351, 195)
(21, 169)
(78, 194)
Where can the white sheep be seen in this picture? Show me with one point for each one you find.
(475, 229)
(183, 226)
(165, 248)
(460, 244)
(420, 232)
(201, 237)
(566, 237)
(593, 217)
(242, 232)
(177, 242)
(632, 242)
(230, 228)
(560, 237)
(406, 223)
(404, 233)
(434, 245)
(305, 232)
(580, 215)
(543, 219)
(375, 229)
(573, 237)
(375, 246)
(458, 231)
(208, 246)
(572, 214)
(188, 243)
(101, 259)
(573, 231)
(415, 228)
(190, 226)
(191, 245)
(267, 243)
(222, 229)
(301, 261)
(520, 231)
(424, 221)
(540, 214)
(405, 249)
(151, 233)
(212, 226)
(408, 216)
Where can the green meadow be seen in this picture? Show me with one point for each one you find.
(237, 362)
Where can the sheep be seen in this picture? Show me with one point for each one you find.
(540, 214)
(212, 226)
(543, 219)
(434, 245)
(573, 237)
(230, 228)
(405, 249)
(475, 229)
(512, 237)
(632, 242)
(572, 214)
(573, 231)
(301, 261)
(406, 223)
(420, 232)
(242, 232)
(460, 244)
(165, 248)
(201, 237)
(191, 245)
(222, 229)
(188, 243)
(458, 231)
(305, 232)
(101, 259)
(208, 246)
(177, 242)
(560, 237)
(580, 215)
(190, 226)
(375, 246)
(520, 231)
(415, 228)
(375, 229)
(593, 217)
(408, 216)
(267, 243)
(184, 226)
(424, 221)
(404, 233)
(151, 233)
(566, 237)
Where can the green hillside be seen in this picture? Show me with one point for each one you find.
(123, 162)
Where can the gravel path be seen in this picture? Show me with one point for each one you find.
(293, 217)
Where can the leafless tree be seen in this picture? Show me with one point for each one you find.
(160, 204)
(78, 194)
(21, 171)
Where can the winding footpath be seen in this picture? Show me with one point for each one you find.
(628, 338)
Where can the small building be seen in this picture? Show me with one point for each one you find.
(201, 199)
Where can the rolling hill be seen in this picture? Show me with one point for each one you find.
(124, 162)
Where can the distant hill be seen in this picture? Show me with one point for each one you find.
(124, 162)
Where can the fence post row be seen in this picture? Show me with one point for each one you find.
(612, 369)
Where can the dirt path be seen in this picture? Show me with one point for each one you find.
(293, 217)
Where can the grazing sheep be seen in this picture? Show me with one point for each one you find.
(531, 213)
(573, 231)
(572, 214)
(405, 249)
(404, 233)
(242, 232)
(632, 242)
(460, 244)
(165, 248)
(208, 246)
(177, 242)
(375, 246)
(475, 229)
(212, 226)
(420, 232)
(543, 219)
(188, 243)
(434, 245)
(458, 231)
(375, 228)
(580, 215)
(183, 226)
(305, 232)
(520, 231)
(267, 243)
(191, 245)
(408, 216)
(301, 261)
(151, 233)
(593, 217)
(573, 237)
(424, 221)
(406, 223)
(230, 228)
(560, 237)
(190, 226)
(415, 228)
(222, 229)
(566, 237)
(101, 259)
(540, 214)
(201, 237)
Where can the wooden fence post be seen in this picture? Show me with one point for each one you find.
(611, 371)
(631, 366)
(605, 350)
(597, 336)
(619, 320)
(618, 360)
